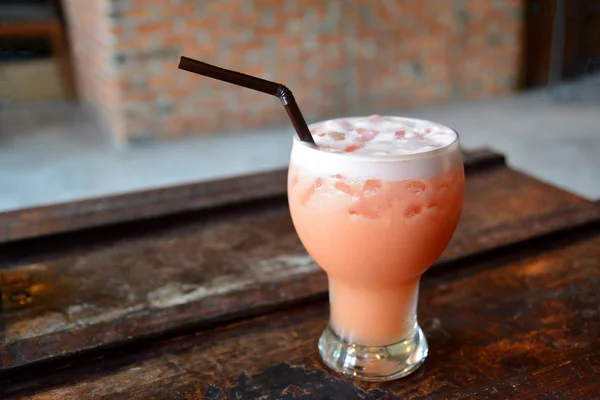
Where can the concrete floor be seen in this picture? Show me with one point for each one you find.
(56, 152)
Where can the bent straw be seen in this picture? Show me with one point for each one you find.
(254, 83)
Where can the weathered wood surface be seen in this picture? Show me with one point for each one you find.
(522, 326)
(74, 292)
(67, 217)
(77, 215)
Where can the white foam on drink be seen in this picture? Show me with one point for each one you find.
(381, 136)
(376, 147)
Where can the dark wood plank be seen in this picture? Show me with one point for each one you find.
(67, 217)
(77, 215)
(524, 326)
(214, 266)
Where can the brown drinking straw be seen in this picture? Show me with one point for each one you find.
(255, 83)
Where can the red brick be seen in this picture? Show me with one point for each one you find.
(161, 81)
(221, 6)
(154, 27)
(268, 4)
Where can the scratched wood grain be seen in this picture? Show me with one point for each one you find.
(67, 217)
(69, 293)
(522, 326)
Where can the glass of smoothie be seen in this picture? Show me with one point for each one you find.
(375, 202)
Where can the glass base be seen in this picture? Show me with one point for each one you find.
(374, 363)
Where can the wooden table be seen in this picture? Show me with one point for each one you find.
(204, 291)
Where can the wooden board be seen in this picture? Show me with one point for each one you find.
(69, 293)
(521, 326)
(67, 217)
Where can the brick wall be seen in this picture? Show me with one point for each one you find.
(93, 52)
(338, 57)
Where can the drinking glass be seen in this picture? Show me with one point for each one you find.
(375, 224)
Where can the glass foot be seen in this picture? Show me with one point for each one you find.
(375, 363)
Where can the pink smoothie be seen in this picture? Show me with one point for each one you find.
(375, 212)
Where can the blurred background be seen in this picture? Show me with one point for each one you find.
(92, 102)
